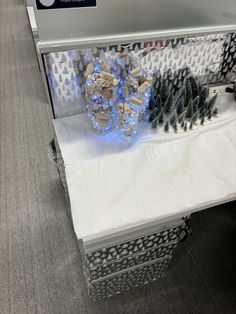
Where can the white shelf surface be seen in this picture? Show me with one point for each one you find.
(116, 185)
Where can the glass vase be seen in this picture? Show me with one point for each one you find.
(127, 120)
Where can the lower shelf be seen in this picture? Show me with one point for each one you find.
(123, 281)
(133, 262)
(107, 269)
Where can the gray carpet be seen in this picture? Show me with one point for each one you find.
(40, 268)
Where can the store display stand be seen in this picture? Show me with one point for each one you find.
(131, 201)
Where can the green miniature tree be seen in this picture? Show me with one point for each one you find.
(195, 117)
(180, 105)
(156, 109)
(157, 74)
(158, 103)
(189, 94)
(161, 117)
(189, 113)
(209, 116)
(211, 102)
(151, 103)
(181, 118)
(194, 86)
(153, 115)
(183, 94)
(215, 112)
(168, 104)
(188, 71)
(203, 96)
(166, 127)
(157, 86)
(164, 92)
(154, 123)
(206, 110)
(175, 127)
(191, 125)
(173, 118)
(169, 73)
(195, 104)
(171, 88)
(202, 113)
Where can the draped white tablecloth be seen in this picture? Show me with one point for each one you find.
(115, 184)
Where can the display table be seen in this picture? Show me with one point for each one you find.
(126, 194)
(130, 201)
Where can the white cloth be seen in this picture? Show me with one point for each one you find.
(115, 184)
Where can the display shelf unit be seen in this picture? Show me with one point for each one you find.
(130, 201)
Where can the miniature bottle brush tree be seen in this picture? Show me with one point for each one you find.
(179, 100)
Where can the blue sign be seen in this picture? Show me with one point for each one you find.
(64, 4)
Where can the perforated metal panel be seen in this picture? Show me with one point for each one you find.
(211, 58)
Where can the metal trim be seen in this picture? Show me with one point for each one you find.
(53, 46)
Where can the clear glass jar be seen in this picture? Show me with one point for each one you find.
(138, 90)
(127, 120)
(141, 101)
(101, 112)
(101, 91)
